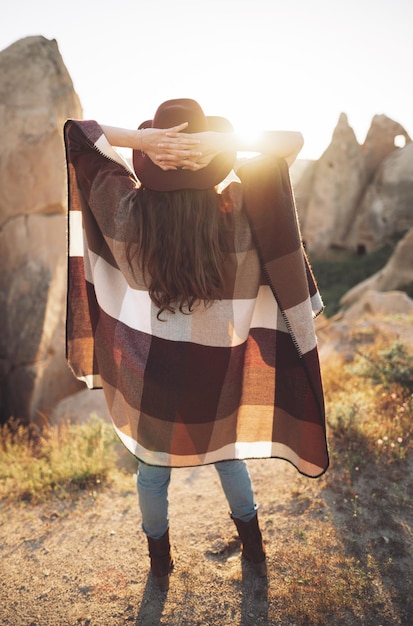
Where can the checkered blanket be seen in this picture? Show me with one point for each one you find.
(238, 379)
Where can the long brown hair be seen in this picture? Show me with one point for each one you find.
(178, 246)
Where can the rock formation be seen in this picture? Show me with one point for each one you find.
(387, 207)
(387, 315)
(346, 200)
(338, 179)
(36, 97)
(380, 142)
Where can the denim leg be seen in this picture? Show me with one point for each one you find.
(153, 483)
(236, 483)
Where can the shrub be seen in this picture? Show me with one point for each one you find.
(58, 459)
(369, 404)
(390, 366)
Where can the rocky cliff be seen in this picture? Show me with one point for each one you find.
(357, 197)
(36, 97)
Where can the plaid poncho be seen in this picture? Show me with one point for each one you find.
(239, 379)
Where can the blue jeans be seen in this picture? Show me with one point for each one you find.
(153, 482)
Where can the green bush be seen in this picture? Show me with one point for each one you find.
(390, 366)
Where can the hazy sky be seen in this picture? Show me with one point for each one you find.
(295, 64)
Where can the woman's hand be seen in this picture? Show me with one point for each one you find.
(179, 148)
(171, 149)
(168, 148)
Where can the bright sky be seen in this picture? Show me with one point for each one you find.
(290, 64)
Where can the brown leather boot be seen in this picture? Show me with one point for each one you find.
(161, 560)
(252, 546)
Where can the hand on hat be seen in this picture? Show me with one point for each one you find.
(168, 152)
(179, 147)
(169, 148)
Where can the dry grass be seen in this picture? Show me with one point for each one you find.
(339, 549)
(59, 460)
(369, 404)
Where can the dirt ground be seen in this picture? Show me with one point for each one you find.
(84, 561)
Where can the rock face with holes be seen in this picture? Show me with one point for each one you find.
(387, 206)
(356, 196)
(36, 97)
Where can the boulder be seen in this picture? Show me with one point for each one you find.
(396, 274)
(378, 304)
(36, 96)
(387, 315)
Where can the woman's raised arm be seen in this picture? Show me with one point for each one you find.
(280, 143)
(171, 148)
(183, 147)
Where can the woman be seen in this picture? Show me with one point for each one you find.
(192, 308)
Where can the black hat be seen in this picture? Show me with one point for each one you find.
(172, 113)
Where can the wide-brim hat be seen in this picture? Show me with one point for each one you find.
(171, 113)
